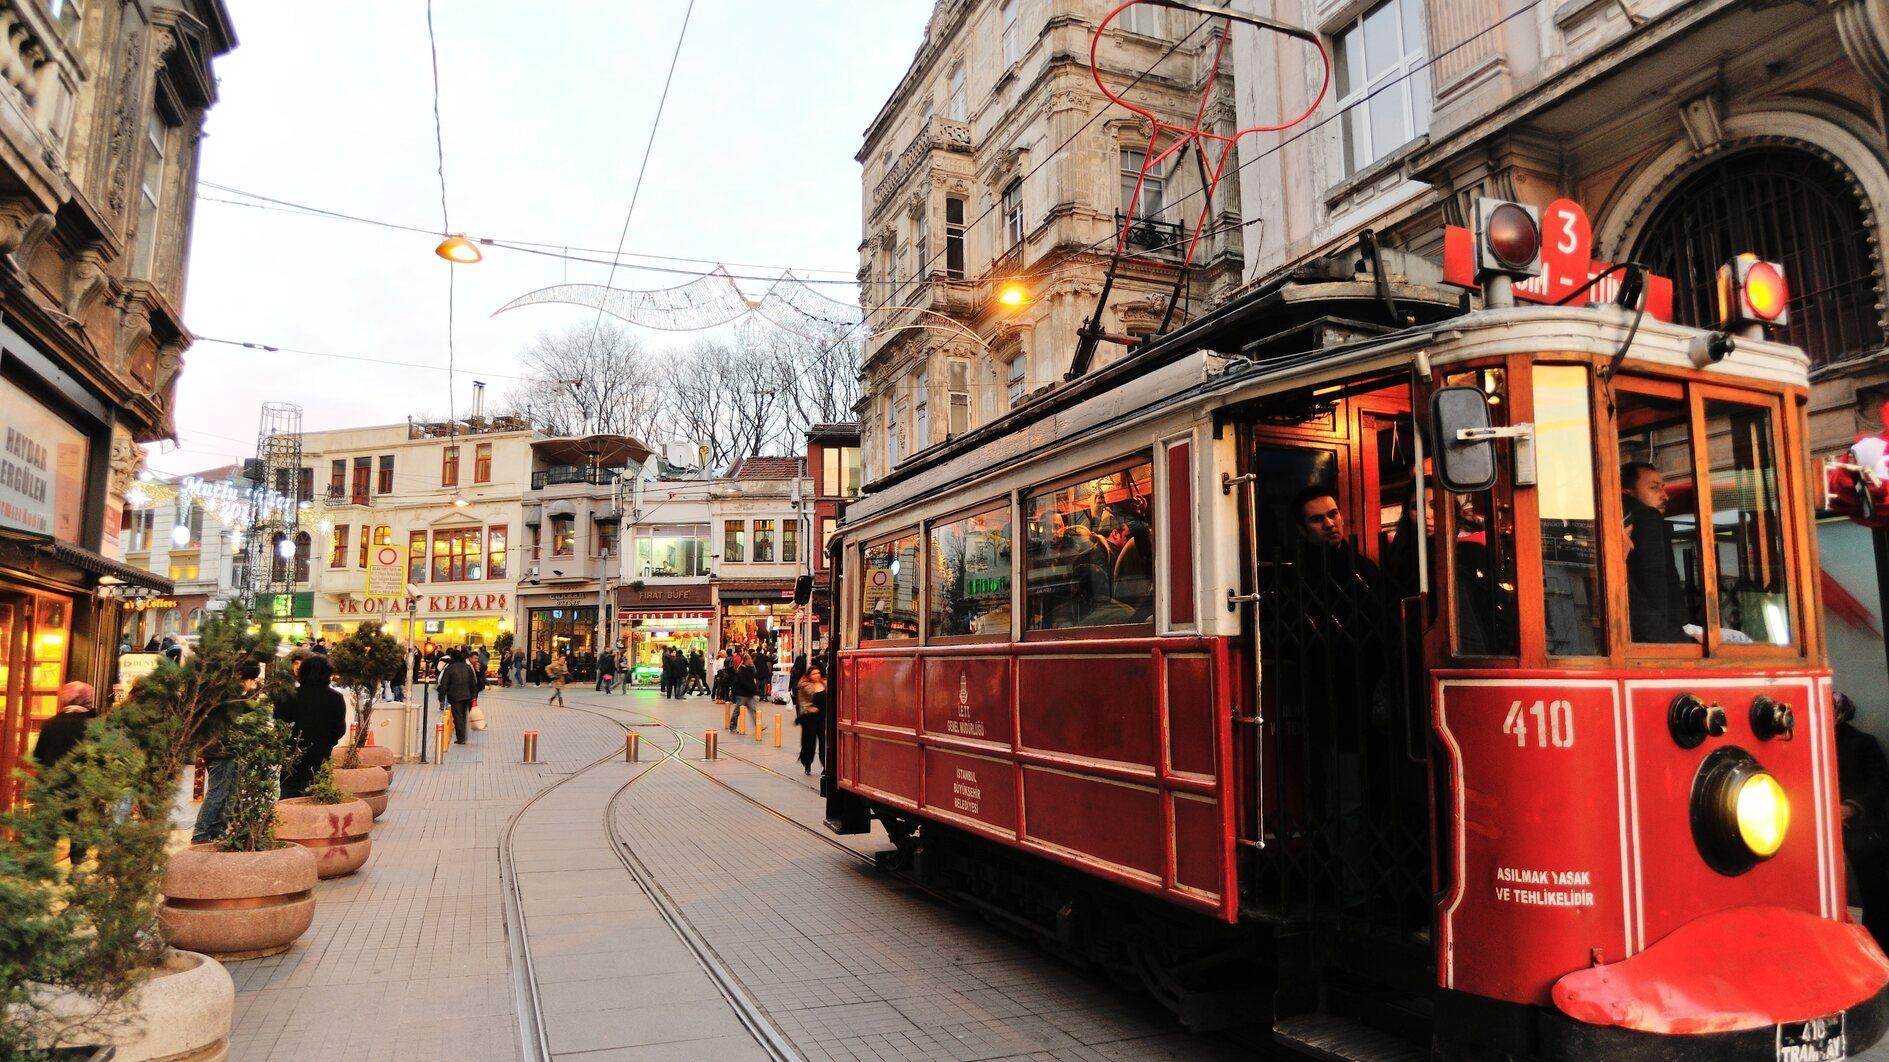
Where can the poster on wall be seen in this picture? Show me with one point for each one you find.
(42, 467)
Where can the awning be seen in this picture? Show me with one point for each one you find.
(534, 515)
(560, 508)
(86, 560)
(755, 589)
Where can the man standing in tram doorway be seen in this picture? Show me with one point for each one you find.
(1346, 640)
(1656, 598)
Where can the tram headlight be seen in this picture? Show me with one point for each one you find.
(1764, 814)
(1740, 812)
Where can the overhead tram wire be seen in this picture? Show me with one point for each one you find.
(286, 206)
(649, 148)
(445, 219)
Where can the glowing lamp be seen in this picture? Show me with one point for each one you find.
(1752, 291)
(1508, 239)
(1764, 814)
(180, 534)
(285, 547)
(1013, 295)
(458, 250)
(460, 502)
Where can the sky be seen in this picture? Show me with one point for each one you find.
(545, 111)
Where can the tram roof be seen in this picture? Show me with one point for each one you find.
(1185, 368)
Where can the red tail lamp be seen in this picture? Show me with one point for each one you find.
(1508, 239)
(1752, 291)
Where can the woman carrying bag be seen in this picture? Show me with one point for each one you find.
(810, 700)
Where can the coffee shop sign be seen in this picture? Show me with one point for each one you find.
(427, 603)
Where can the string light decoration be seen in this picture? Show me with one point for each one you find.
(706, 302)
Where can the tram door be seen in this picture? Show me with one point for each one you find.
(1343, 815)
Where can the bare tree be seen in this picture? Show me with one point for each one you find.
(580, 383)
(732, 396)
(821, 378)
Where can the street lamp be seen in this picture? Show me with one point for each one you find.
(458, 250)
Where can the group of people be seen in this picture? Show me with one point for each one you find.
(684, 673)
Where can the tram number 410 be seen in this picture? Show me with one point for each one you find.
(1554, 723)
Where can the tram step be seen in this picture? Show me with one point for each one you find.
(1341, 1040)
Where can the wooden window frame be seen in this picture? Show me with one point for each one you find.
(1007, 505)
(859, 597)
(1110, 630)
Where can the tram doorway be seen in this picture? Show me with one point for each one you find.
(1340, 821)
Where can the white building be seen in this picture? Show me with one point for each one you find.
(186, 529)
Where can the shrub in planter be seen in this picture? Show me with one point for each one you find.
(248, 894)
(331, 824)
(363, 660)
(81, 958)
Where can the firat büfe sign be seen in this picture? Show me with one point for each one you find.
(427, 603)
(1567, 262)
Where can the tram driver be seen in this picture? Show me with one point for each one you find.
(1656, 596)
(1346, 626)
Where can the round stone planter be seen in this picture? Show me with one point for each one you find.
(367, 783)
(336, 833)
(237, 905)
(371, 756)
(182, 1012)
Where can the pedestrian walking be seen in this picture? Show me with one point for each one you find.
(741, 687)
(316, 718)
(556, 671)
(457, 687)
(606, 671)
(58, 737)
(212, 816)
(540, 668)
(698, 674)
(810, 700)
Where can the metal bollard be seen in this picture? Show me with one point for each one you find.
(777, 730)
(758, 728)
(531, 746)
(632, 746)
(710, 740)
(439, 742)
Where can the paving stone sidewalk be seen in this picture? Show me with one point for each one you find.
(407, 958)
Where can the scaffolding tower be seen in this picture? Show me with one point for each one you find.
(276, 550)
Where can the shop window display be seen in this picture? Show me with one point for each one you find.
(672, 550)
(889, 607)
(970, 575)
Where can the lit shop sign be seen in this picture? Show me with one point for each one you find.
(426, 603)
(151, 604)
(230, 505)
(42, 467)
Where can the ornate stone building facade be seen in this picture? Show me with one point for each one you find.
(102, 104)
(1688, 130)
(997, 161)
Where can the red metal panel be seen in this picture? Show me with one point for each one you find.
(1120, 824)
(1192, 715)
(889, 768)
(1094, 706)
(1541, 877)
(1678, 886)
(887, 691)
(977, 790)
(1180, 529)
(969, 698)
(849, 689)
(1199, 841)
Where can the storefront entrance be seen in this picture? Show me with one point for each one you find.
(35, 645)
(759, 625)
(567, 632)
(648, 633)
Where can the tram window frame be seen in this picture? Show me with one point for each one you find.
(1446, 583)
(1021, 554)
(1601, 603)
(858, 625)
(1789, 510)
(1007, 506)
(1621, 640)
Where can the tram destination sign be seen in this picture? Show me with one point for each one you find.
(1567, 262)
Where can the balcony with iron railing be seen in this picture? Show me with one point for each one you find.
(557, 475)
(1163, 238)
(337, 497)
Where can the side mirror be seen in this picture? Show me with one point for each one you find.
(1462, 465)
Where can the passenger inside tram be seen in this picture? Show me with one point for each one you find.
(1091, 552)
(1656, 596)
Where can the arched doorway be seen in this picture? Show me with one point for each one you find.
(1783, 203)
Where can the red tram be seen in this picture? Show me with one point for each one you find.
(1460, 682)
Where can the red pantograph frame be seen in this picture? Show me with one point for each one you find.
(1186, 135)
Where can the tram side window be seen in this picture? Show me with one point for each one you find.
(1570, 563)
(889, 605)
(1747, 525)
(1664, 594)
(1482, 550)
(1090, 559)
(970, 575)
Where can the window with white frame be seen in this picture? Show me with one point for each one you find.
(958, 393)
(150, 196)
(1007, 17)
(1013, 213)
(1383, 81)
(959, 108)
(1018, 371)
(921, 242)
(1144, 19)
(895, 436)
(1153, 197)
(921, 408)
(894, 265)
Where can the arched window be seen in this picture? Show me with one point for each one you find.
(304, 545)
(1785, 204)
(193, 621)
